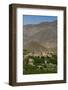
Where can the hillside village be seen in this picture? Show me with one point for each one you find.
(40, 61)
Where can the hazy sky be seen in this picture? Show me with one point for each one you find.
(33, 19)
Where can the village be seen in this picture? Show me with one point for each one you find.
(41, 62)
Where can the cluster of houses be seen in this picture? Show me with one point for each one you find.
(40, 53)
(30, 60)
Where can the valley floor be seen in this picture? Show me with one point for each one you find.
(39, 64)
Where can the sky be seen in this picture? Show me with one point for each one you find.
(33, 19)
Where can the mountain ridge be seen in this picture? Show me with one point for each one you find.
(44, 33)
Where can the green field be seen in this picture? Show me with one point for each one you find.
(39, 64)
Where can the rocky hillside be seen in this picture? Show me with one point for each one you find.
(42, 36)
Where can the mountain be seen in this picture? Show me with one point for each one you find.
(40, 36)
(34, 46)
